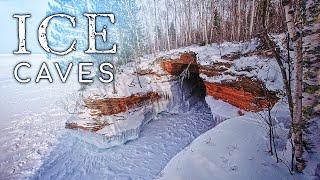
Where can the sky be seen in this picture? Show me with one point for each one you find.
(9, 27)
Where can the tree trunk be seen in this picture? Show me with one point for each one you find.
(156, 44)
(311, 39)
(295, 27)
(289, 12)
(205, 24)
(252, 17)
(297, 116)
(168, 26)
(311, 53)
(189, 22)
(239, 20)
(175, 24)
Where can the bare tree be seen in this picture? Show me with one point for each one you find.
(239, 20)
(138, 48)
(168, 25)
(73, 103)
(175, 23)
(156, 43)
(286, 73)
(252, 17)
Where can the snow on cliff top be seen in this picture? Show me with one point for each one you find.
(126, 82)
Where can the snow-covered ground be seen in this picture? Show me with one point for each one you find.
(235, 149)
(31, 120)
(238, 149)
(142, 158)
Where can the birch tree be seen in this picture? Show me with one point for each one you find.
(239, 20)
(311, 39)
(297, 116)
(303, 26)
(252, 17)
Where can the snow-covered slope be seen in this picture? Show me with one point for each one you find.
(238, 149)
(235, 149)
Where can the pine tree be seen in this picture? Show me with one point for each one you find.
(126, 32)
(61, 32)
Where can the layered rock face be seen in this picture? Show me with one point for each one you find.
(111, 106)
(167, 85)
(177, 66)
(243, 92)
(92, 126)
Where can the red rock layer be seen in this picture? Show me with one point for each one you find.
(111, 106)
(245, 94)
(177, 66)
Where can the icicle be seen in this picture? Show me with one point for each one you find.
(185, 74)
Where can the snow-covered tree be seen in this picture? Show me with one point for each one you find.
(126, 32)
(61, 33)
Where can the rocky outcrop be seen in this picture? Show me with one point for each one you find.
(177, 66)
(215, 69)
(119, 119)
(87, 126)
(111, 106)
(108, 107)
(189, 60)
(243, 92)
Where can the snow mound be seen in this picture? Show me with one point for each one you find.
(235, 149)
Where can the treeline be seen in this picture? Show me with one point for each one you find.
(176, 23)
(148, 26)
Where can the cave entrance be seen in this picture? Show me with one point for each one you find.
(193, 86)
(187, 70)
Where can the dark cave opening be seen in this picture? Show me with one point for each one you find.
(195, 86)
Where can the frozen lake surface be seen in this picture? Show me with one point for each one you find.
(31, 119)
(35, 144)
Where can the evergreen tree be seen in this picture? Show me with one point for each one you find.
(127, 32)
